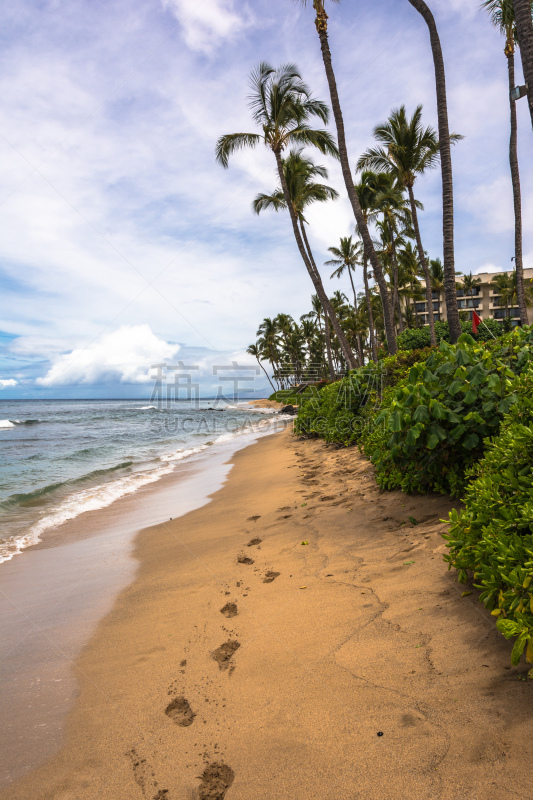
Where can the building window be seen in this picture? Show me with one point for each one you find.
(502, 313)
(435, 295)
(470, 293)
(420, 307)
(435, 307)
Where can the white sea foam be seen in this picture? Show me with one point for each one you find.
(180, 454)
(96, 497)
(6, 423)
(145, 408)
(85, 500)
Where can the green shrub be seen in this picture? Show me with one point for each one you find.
(336, 412)
(340, 411)
(431, 429)
(415, 338)
(493, 536)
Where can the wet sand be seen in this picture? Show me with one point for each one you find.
(334, 658)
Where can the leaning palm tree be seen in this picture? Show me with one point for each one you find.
(321, 23)
(407, 150)
(282, 107)
(502, 16)
(446, 169)
(255, 351)
(303, 191)
(524, 26)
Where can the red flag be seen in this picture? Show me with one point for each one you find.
(475, 321)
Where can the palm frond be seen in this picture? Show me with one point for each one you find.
(375, 159)
(231, 142)
(265, 201)
(321, 139)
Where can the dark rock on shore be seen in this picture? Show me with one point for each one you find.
(289, 410)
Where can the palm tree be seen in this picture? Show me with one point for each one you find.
(255, 350)
(299, 172)
(436, 271)
(446, 169)
(503, 285)
(470, 282)
(407, 151)
(321, 23)
(369, 186)
(502, 17)
(524, 26)
(396, 217)
(282, 106)
(346, 257)
(409, 264)
(316, 313)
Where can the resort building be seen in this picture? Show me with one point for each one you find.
(487, 298)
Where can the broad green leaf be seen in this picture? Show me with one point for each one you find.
(471, 441)
(421, 414)
(455, 387)
(395, 421)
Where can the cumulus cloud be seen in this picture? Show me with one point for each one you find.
(7, 382)
(124, 356)
(208, 22)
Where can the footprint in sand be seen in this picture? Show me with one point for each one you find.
(327, 497)
(253, 542)
(216, 780)
(223, 654)
(284, 508)
(145, 777)
(271, 576)
(242, 559)
(229, 610)
(180, 712)
(253, 519)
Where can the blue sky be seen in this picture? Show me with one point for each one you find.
(123, 243)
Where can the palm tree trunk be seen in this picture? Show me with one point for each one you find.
(314, 274)
(522, 12)
(326, 330)
(425, 267)
(369, 310)
(358, 335)
(327, 337)
(322, 28)
(450, 292)
(266, 373)
(515, 175)
(396, 292)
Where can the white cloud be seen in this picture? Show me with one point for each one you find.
(207, 22)
(126, 356)
(9, 382)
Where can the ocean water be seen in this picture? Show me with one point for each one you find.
(59, 459)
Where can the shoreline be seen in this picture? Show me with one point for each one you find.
(362, 631)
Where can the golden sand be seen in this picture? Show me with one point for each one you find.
(298, 638)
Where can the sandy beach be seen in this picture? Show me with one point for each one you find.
(297, 638)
